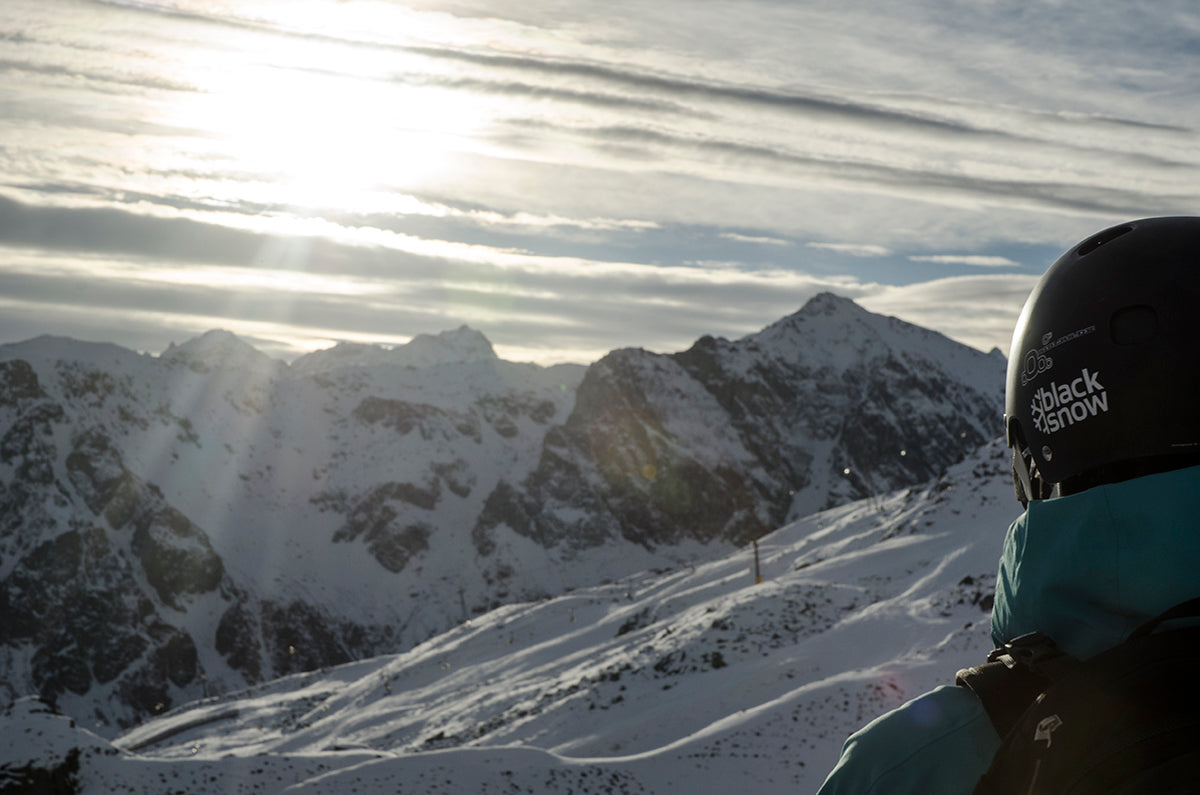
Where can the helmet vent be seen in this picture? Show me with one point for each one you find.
(1098, 240)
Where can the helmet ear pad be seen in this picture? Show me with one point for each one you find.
(1028, 483)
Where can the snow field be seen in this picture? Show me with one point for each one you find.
(694, 679)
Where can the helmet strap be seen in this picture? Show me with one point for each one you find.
(1027, 482)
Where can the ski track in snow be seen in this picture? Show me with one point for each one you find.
(695, 679)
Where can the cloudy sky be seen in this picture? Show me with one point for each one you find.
(570, 176)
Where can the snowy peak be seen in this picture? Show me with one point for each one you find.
(219, 350)
(463, 345)
(831, 307)
(50, 348)
(829, 317)
(460, 346)
(834, 334)
(830, 304)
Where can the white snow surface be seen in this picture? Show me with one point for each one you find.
(695, 679)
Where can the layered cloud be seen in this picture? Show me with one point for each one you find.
(568, 178)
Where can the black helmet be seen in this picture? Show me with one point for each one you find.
(1104, 372)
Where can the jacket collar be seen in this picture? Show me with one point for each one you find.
(1090, 568)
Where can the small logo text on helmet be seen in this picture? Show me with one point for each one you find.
(1036, 363)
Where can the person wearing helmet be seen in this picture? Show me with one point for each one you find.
(1102, 412)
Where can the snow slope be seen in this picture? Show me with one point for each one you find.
(694, 679)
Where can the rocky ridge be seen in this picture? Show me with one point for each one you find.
(728, 440)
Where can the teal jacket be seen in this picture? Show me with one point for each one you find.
(1086, 570)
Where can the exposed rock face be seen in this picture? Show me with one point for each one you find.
(375, 517)
(176, 556)
(73, 586)
(186, 524)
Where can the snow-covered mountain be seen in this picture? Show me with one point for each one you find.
(185, 525)
(693, 679)
(727, 440)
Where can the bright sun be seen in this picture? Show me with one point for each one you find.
(326, 124)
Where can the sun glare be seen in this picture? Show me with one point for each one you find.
(329, 124)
